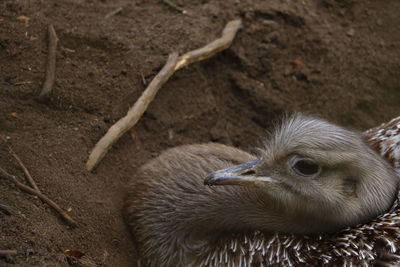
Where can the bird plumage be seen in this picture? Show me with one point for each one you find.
(176, 220)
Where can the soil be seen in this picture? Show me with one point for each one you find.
(335, 59)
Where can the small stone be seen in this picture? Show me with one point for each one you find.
(350, 32)
(379, 22)
(170, 134)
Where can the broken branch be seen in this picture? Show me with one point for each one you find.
(27, 173)
(51, 63)
(173, 64)
(133, 115)
(212, 48)
(44, 198)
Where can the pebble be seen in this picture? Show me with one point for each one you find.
(350, 32)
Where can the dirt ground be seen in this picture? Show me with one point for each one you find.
(336, 59)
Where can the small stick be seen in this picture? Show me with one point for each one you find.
(143, 79)
(174, 6)
(112, 13)
(212, 48)
(22, 165)
(23, 83)
(133, 115)
(27, 173)
(44, 198)
(51, 63)
(7, 253)
(173, 64)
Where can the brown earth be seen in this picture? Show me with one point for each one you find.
(349, 72)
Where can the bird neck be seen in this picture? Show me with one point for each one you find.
(224, 209)
(242, 209)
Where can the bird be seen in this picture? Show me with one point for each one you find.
(314, 193)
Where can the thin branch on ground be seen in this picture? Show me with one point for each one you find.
(51, 63)
(22, 165)
(173, 64)
(114, 12)
(174, 6)
(43, 197)
(218, 45)
(23, 83)
(133, 115)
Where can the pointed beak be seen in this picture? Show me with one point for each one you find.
(242, 174)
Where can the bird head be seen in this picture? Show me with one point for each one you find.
(313, 176)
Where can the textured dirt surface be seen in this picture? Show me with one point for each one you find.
(335, 59)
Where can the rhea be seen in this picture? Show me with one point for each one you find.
(310, 176)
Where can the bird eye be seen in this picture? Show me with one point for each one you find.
(304, 166)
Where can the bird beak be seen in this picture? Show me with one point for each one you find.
(242, 174)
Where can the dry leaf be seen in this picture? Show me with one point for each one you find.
(105, 256)
(23, 19)
(186, 117)
(69, 50)
(74, 253)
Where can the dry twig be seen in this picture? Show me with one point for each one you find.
(174, 6)
(133, 115)
(173, 64)
(22, 165)
(112, 13)
(44, 198)
(51, 64)
(212, 48)
(23, 83)
(27, 173)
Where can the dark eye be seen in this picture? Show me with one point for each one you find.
(304, 166)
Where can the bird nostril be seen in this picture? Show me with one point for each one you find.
(249, 172)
